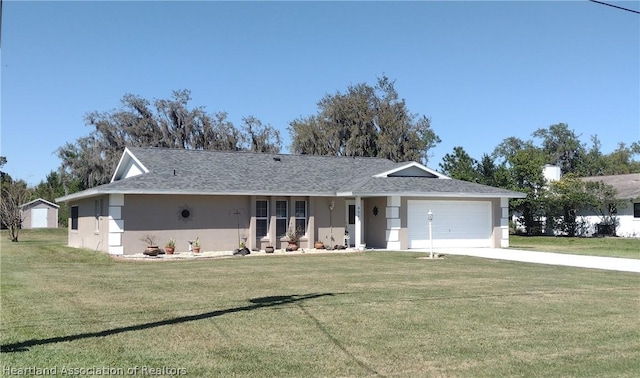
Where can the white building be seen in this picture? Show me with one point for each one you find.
(628, 188)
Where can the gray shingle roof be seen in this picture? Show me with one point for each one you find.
(429, 187)
(243, 172)
(218, 172)
(628, 186)
(39, 200)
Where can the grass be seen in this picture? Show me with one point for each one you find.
(350, 315)
(609, 247)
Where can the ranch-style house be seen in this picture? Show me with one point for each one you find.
(224, 198)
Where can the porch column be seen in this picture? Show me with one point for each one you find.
(358, 225)
(252, 222)
(393, 222)
(273, 237)
(116, 224)
(504, 223)
(311, 221)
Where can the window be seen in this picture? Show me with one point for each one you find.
(281, 218)
(301, 216)
(74, 217)
(636, 210)
(352, 214)
(262, 218)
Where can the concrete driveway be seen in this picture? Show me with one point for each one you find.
(581, 261)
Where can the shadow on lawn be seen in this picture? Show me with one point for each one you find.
(337, 342)
(257, 303)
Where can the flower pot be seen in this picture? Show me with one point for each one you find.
(318, 245)
(152, 250)
(169, 250)
(269, 249)
(196, 249)
(292, 247)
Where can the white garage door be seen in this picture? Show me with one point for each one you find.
(455, 223)
(38, 218)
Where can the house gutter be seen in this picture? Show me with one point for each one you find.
(435, 194)
(97, 192)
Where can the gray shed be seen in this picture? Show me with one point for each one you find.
(39, 213)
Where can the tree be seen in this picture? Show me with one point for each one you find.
(14, 194)
(508, 148)
(562, 146)
(169, 123)
(567, 198)
(492, 174)
(460, 165)
(604, 203)
(593, 163)
(54, 186)
(621, 160)
(261, 138)
(526, 176)
(364, 121)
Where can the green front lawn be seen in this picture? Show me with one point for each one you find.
(610, 247)
(353, 315)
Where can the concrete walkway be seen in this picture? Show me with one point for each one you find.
(581, 261)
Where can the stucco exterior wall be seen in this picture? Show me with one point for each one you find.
(221, 221)
(330, 224)
(496, 215)
(375, 223)
(212, 219)
(93, 229)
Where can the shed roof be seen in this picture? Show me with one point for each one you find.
(39, 200)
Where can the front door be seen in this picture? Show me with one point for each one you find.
(351, 222)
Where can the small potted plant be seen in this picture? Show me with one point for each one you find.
(269, 249)
(293, 236)
(171, 246)
(318, 245)
(152, 246)
(196, 245)
(242, 250)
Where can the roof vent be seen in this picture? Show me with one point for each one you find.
(275, 158)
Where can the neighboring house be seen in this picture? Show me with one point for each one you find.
(227, 197)
(39, 213)
(628, 189)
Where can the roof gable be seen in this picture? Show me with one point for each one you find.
(412, 169)
(39, 200)
(128, 166)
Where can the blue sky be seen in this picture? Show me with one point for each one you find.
(482, 71)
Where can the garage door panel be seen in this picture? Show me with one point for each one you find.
(455, 223)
